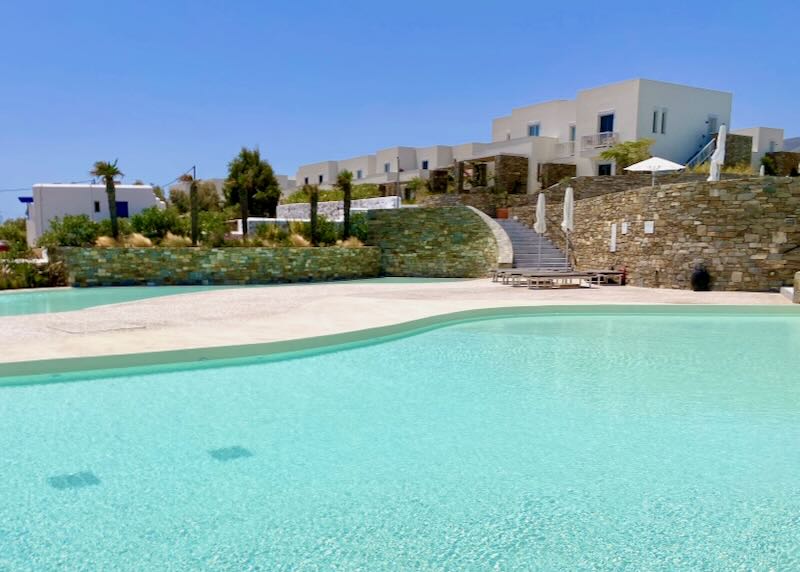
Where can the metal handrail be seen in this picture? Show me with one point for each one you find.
(702, 155)
(596, 140)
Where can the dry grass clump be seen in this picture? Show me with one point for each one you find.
(137, 240)
(352, 242)
(105, 242)
(174, 240)
(298, 240)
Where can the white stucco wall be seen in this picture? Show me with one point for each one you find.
(364, 163)
(553, 117)
(765, 139)
(328, 170)
(406, 155)
(58, 200)
(688, 110)
(438, 156)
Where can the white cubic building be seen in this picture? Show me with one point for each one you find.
(51, 200)
(681, 120)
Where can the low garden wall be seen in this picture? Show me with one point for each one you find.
(746, 232)
(167, 266)
(334, 210)
(444, 242)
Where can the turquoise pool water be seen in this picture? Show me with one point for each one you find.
(67, 299)
(538, 443)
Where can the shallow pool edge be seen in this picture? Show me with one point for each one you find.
(84, 368)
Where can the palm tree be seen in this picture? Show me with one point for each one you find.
(345, 183)
(313, 198)
(251, 184)
(108, 171)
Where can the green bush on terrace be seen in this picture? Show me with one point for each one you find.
(359, 192)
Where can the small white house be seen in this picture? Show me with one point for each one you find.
(51, 200)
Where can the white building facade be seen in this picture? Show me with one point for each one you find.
(680, 119)
(49, 201)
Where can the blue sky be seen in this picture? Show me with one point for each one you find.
(165, 85)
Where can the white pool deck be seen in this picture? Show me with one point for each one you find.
(257, 315)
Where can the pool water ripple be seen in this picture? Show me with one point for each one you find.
(547, 443)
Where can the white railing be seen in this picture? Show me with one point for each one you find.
(598, 140)
(565, 148)
(702, 155)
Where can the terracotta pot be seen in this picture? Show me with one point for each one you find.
(502, 213)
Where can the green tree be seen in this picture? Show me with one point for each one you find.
(344, 183)
(627, 153)
(194, 209)
(312, 191)
(207, 198)
(251, 183)
(72, 230)
(107, 171)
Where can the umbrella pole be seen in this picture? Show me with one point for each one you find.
(540, 253)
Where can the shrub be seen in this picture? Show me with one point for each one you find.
(367, 191)
(105, 242)
(72, 230)
(137, 240)
(351, 242)
(175, 241)
(298, 240)
(14, 232)
(26, 275)
(157, 223)
(104, 227)
(272, 234)
(213, 228)
(358, 226)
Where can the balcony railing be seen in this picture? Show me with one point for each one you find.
(599, 140)
(565, 149)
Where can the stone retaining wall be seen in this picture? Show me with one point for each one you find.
(166, 266)
(446, 242)
(746, 232)
(334, 210)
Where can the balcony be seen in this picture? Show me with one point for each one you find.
(599, 140)
(565, 149)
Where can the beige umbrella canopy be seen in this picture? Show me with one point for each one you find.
(655, 165)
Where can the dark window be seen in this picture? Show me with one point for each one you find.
(424, 165)
(122, 209)
(320, 178)
(306, 180)
(604, 169)
(607, 123)
(358, 174)
(655, 121)
(663, 121)
(572, 133)
(533, 130)
(386, 167)
(97, 206)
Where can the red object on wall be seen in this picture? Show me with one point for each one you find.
(502, 213)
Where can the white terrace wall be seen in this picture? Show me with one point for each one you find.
(334, 210)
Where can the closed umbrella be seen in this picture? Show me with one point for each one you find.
(540, 226)
(655, 165)
(568, 224)
(718, 157)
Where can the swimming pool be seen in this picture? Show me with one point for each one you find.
(587, 441)
(43, 301)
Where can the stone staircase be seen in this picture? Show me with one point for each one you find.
(526, 247)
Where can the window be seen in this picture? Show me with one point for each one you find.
(533, 130)
(386, 167)
(572, 133)
(97, 206)
(424, 165)
(305, 180)
(122, 209)
(320, 178)
(655, 121)
(359, 174)
(508, 135)
(663, 121)
(604, 169)
(772, 146)
(713, 124)
(606, 123)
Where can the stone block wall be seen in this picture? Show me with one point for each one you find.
(784, 163)
(445, 242)
(552, 173)
(738, 150)
(334, 210)
(511, 174)
(483, 201)
(167, 266)
(744, 231)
